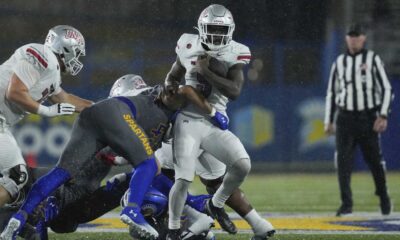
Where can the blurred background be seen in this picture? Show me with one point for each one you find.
(279, 115)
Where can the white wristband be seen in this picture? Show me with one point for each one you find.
(43, 110)
(213, 111)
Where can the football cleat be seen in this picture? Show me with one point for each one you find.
(386, 205)
(14, 226)
(173, 234)
(221, 216)
(344, 211)
(137, 224)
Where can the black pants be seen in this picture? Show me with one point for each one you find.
(356, 129)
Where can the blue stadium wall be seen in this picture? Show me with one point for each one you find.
(275, 124)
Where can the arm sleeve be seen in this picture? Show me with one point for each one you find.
(387, 92)
(330, 104)
(244, 56)
(240, 55)
(27, 73)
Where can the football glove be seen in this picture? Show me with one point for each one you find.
(56, 110)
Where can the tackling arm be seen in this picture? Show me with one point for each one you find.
(64, 97)
(188, 93)
(192, 95)
(18, 93)
(174, 76)
(184, 94)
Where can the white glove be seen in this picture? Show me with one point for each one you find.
(56, 110)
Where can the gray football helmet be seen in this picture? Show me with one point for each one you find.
(69, 43)
(128, 85)
(216, 26)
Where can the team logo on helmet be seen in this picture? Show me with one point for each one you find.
(74, 35)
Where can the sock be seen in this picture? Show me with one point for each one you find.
(259, 225)
(199, 222)
(163, 184)
(44, 187)
(177, 199)
(232, 180)
(140, 182)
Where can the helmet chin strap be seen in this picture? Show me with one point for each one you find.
(61, 61)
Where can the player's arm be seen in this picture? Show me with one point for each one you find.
(178, 97)
(17, 92)
(231, 86)
(175, 75)
(189, 94)
(330, 104)
(25, 76)
(64, 97)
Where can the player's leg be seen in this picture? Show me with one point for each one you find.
(370, 147)
(186, 144)
(125, 136)
(88, 208)
(211, 172)
(81, 147)
(345, 147)
(197, 224)
(13, 169)
(228, 149)
(164, 181)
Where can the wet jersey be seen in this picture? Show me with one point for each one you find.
(188, 49)
(153, 117)
(37, 67)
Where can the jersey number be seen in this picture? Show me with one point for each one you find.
(158, 134)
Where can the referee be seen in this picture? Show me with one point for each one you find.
(360, 92)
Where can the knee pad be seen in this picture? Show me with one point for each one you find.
(14, 179)
(182, 185)
(241, 167)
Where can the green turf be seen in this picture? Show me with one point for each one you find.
(310, 193)
(120, 236)
(297, 193)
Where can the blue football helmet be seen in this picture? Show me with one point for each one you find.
(154, 204)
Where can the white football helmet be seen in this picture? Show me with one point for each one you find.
(69, 43)
(216, 26)
(128, 85)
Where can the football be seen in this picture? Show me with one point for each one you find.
(217, 67)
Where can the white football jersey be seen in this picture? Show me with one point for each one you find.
(189, 48)
(37, 67)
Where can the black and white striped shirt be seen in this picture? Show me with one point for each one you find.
(358, 82)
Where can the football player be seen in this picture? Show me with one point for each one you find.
(84, 200)
(29, 77)
(191, 130)
(211, 173)
(210, 170)
(133, 127)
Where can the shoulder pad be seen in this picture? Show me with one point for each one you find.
(241, 53)
(184, 40)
